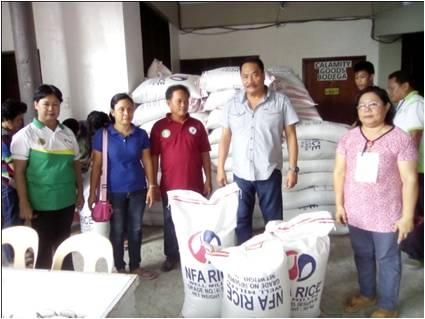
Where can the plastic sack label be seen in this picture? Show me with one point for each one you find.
(200, 222)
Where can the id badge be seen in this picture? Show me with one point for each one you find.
(367, 167)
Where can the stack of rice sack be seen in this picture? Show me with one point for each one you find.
(317, 142)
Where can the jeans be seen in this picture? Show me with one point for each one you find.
(171, 246)
(269, 193)
(127, 217)
(372, 249)
(413, 245)
(53, 227)
(9, 217)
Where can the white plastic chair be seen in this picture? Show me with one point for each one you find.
(21, 238)
(90, 245)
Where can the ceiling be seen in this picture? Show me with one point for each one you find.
(194, 15)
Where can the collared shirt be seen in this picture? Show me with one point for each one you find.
(50, 174)
(180, 146)
(257, 135)
(410, 117)
(6, 158)
(410, 113)
(125, 171)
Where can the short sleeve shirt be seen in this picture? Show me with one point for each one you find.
(180, 147)
(257, 134)
(50, 156)
(375, 206)
(125, 170)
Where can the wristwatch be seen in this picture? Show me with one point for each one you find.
(295, 169)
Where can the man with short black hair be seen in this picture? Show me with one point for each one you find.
(254, 120)
(410, 118)
(364, 73)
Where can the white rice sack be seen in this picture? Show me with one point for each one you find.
(306, 180)
(256, 283)
(148, 126)
(214, 151)
(156, 110)
(199, 221)
(323, 130)
(306, 243)
(215, 135)
(218, 99)
(87, 224)
(315, 195)
(157, 68)
(338, 230)
(311, 166)
(227, 164)
(215, 118)
(201, 116)
(154, 89)
(226, 78)
(312, 149)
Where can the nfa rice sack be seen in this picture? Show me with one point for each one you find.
(199, 221)
(256, 281)
(306, 243)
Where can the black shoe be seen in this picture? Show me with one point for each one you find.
(168, 265)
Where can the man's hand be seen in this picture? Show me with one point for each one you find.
(207, 189)
(221, 178)
(291, 179)
(25, 211)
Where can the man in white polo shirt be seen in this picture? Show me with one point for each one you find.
(47, 174)
(254, 121)
(410, 118)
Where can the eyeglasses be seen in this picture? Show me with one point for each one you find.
(370, 106)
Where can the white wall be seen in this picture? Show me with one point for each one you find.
(6, 28)
(287, 45)
(89, 50)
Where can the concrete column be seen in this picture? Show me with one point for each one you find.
(27, 61)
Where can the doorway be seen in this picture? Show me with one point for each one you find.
(330, 82)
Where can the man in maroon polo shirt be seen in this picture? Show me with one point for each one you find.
(182, 143)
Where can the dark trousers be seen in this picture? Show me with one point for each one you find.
(269, 193)
(127, 218)
(53, 227)
(378, 262)
(171, 246)
(413, 245)
(9, 217)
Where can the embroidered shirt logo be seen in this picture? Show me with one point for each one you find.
(41, 141)
(165, 133)
(192, 130)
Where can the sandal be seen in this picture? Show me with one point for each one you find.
(145, 274)
(358, 302)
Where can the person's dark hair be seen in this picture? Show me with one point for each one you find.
(95, 121)
(47, 89)
(174, 88)
(252, 60)
(364, 66)
(400, 77)
(115, 99)
(10, 109)
(383, 96)
(73, 125)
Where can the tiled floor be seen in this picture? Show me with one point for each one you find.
(163, 297)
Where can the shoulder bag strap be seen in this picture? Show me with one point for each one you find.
(103, 178)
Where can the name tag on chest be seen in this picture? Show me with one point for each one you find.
(367, 167)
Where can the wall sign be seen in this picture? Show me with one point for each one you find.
(332, 70)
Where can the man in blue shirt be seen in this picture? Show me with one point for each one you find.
(254, 120)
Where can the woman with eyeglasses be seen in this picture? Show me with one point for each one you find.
(376, 189)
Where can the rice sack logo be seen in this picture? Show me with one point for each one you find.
(196, 244)
(301, 266)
